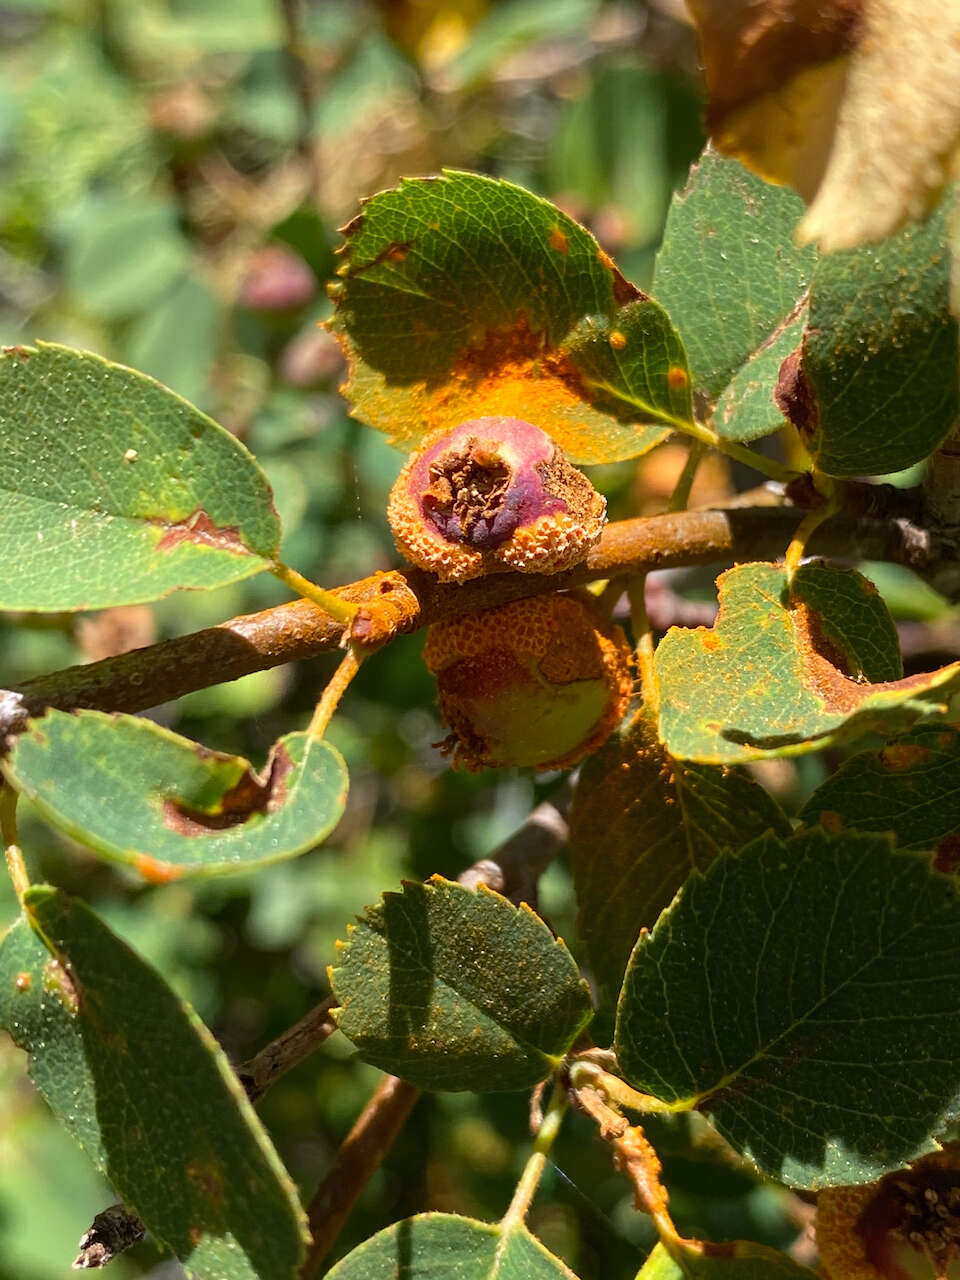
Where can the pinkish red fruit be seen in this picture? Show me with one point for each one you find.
(490, 495)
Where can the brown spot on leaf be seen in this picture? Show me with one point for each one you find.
(254, 793)
(752, 49)
(207, 1175)
(795, 397)
(947, 858)
(617, 340)
(200, 529)
(900, 756)
(559, 241)
(677, 377)
(830, 820)
(23, 352)
(623, 290)
(23, 981)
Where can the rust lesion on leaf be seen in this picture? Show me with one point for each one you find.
(155, 870)
(199, 529)
(900, 757)
(253, 793)
(824, 669)
(559, 241)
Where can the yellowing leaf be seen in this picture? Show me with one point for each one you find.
(463, 297)
(853, 102)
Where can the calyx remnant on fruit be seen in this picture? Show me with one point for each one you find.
(493, 494)
(537, 683)
(904, 1227)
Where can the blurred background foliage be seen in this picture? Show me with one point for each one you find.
(174, 172)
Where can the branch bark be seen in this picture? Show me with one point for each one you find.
(290, 632)
(359, 1156)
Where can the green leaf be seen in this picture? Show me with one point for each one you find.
(880, 354)
(911, 788)
(137, 793)
(463, 297)
(805, 995)
(731, 277)
(456, 989)
(182, 1147)
(789, 669)
(435, 1245)
(747, 409)
(640, 823)
(748, 1261)
(115, 491)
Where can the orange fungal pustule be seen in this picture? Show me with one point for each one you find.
(491, 495)
(537, 683)
(904, 1227)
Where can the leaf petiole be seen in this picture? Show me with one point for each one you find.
(643, 637)
(705, 435)
(336, 688)
(342, 610)
(533, 1169)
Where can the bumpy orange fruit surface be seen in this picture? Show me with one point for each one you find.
(537, 683)
(490, 495)
(904, 1227)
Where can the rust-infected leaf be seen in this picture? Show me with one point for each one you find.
(789, 668)
(500, 305)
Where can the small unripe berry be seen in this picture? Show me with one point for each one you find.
(904, 1227)
(490, 495)
(537, 683)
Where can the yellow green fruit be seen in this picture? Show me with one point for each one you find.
(537, 683)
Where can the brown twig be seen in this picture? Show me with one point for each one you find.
(288, 1050)
(359, 1156)
(515, 867)
(290, 632)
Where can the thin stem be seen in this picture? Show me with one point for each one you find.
(360, 1155)
(811, 521)
(288, 1050)
(336, 688)
(533, 1170)
(585, 1074)
(643, 635)
(342, 610)
(11, 842)
(681, 492)
(699, 431)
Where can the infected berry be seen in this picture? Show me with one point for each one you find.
(490, 495)
(904, 1227)
(537, 683)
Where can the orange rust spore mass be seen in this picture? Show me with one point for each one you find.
(904, 1227)
(537, 683)
(493, 494)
